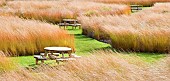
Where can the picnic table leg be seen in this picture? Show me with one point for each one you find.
(74, 27)
(69, 52)
(79, 27)
(64, 25)
(57, 61)
(36, 61)
(74, 24)
(46, 53)
(62, 55)
(52, 52)
(42, 61)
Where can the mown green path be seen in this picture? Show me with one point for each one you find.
(84, 45)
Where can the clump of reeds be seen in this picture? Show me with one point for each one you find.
(55, 11)
(146, 31)
(100, 66)
(26, 37)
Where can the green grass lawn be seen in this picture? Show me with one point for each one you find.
(84, 45)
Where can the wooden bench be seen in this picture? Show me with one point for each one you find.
(39, 57)
(43, 57)
(69, 22)
(135, 8)
(75, 56)
(64, 59)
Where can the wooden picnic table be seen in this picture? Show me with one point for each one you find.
(61, 50)
(70, 22)
(135, 8)
(53, 54)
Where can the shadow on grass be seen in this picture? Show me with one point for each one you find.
(47, 63)
(106, 49)
(82, 37)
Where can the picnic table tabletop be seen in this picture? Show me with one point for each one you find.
(58, 48)
(69, 20)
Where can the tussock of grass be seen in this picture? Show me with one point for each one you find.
(146, 31)
(26, 37)
(101, 65)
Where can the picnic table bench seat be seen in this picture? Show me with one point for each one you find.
(43, 54)
(64, 59)
(75, 56)
(43, 57)
(74, 24)
(63, 24)
(54, 56)
(67, 24)
(39, 57)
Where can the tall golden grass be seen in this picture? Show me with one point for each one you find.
(27, 37)
(2, 2)
(141, 2)
(6, 64)
(55, 11)
(159, 8)
(100, 66)
(146, 31)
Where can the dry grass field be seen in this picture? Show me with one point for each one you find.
(141, 2)
(100, 66)
(25, 30)
(55, 11)
(2, 2)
